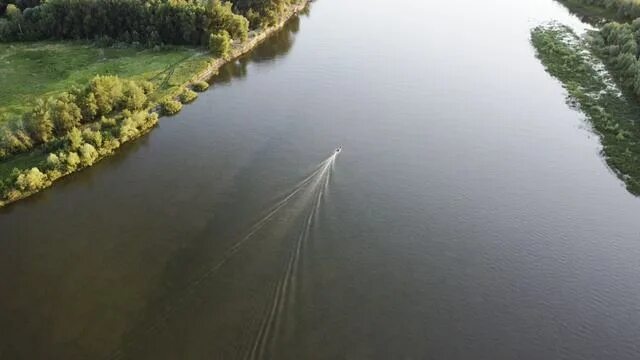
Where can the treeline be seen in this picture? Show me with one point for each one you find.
(147, 22)
(617, 44)
(621, 9)
(262, 13)
(75, 129)
(20, 4)
(150, 22)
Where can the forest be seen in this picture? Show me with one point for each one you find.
(150, 22)
(623, 10)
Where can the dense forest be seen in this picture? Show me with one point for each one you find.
(619, 9)
(618, 43)
(150, 22)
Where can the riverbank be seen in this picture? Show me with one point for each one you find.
(38, 70)
(589, 13)
(611, 112)
(29, 164)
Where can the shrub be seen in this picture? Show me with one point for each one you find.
(65, 113)
(170, 106)
(38, 123)
(220, 44)
(53, 161)
(88, 154)
(72, 160)
(135, 97)
(106, 122)
(92, 137)
(54, 174)
(108, 92)
(239, 27)
(128, 130)
(31, 180)
(187, 96)
(200, 86)
(74, 139)
(13, 12)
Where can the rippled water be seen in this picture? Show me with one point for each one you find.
(469, 216)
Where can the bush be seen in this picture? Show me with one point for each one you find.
(72, 160)
(65, 113)
(88, 154)
(187, 96)
(53, 161)
(170, 106)
(92, 137)
(200, 86)
(220, 44)
(31, 180)
(74, 139)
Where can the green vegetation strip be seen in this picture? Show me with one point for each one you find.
(610, 112)
(597, 11)
(30, 71)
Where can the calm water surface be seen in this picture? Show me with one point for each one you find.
(470, 215)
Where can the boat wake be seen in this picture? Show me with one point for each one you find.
(307, 195)
(284, 294)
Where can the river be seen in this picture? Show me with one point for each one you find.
(470, 214)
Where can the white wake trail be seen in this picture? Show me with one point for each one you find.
(286, 288)
(310, 181)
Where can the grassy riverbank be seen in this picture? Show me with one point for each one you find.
(30, 71)
(52, 68)
(612, 113)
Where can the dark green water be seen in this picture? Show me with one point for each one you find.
(470, 215)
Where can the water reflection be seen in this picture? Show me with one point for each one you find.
(278, 45)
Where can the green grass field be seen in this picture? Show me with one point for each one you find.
(29, 71)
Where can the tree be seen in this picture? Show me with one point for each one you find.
(220, 44)
(108, 93)
(13, 12)
(39, 124)
(53, 161)
(134, 96)
(88, 106)
(88, 154)
(65, 114)
(74, 139)
(32, 180)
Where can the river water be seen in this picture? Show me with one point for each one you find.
(469, 216)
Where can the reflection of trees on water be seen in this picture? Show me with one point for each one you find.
(275, 47)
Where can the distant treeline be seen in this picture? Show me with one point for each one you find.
(618, 45)
(151, 22)
(621, 9)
